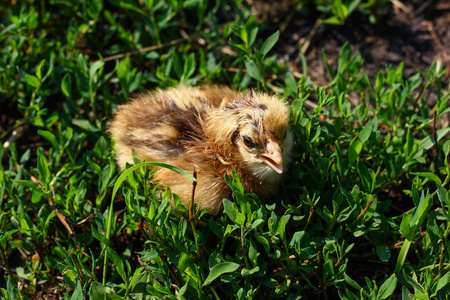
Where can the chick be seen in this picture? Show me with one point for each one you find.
(211, 129)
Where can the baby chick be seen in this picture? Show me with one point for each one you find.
(213, 130)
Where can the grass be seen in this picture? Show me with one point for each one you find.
(364, 212)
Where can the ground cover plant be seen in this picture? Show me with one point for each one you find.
(363, 212)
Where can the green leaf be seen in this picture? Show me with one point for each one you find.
(269, 43)
(328, 66)
(365, 133)
(219, 269)
(119, 264)
(443, 281)
(240, 47)
(351, 282)
(24, 159)
(240, 219)
(405, 292)
(352, 6)
(80, 195)
(39, 69)
(101, 148)
(44, 172)
(123, 71)
(8, 30)
(86, 125)
(5, 237)
(384, 254)
(27, 183)
(402, 255)
(428, 142)
(78, 292)
(66, 85)
(229, 210)
(366, 179)
(340, 10)
(94, 68)
(130, 5)
(409, 145)
(291, 83)
(50, 137)
(414, 81)
(357, 143)
(253, 252)
(296, 238)
(251, 30)
(387, 288)
(185, 262)
(36, 196)
(257, 223)
(48, 219)
(282, 227)
(98, 236)
(95, 166)
(354, 149)
(145, 164)
(32, 80)
(404, 225)
(189, 67)
(191, 4)
(428, 175)
(149, 255)
(99, 291)
(446, 148)
(344, 57)
(177, 65)
(187, 266)
(332, 21)
(252, 69)
(182, 291)
(51, 65)
(139, 282)
(419, 215)
(413, 282)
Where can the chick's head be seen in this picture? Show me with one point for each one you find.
(256, 129)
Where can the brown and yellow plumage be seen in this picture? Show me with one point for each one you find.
(211, 129)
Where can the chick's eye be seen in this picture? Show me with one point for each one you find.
(248, 142)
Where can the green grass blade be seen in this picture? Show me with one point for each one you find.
(402, 255)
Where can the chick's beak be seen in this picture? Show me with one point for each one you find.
(273, 156)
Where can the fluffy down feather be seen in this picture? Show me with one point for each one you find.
(212, 129)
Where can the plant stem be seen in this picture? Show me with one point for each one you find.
(194, 229)
(311, 213)
(247, 263)
(441, 257)
(108, 238)
(436, 145)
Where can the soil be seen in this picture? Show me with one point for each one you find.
(415, 32)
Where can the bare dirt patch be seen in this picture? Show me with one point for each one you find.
(416, 33)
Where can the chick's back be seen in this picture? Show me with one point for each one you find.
(164, 125)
